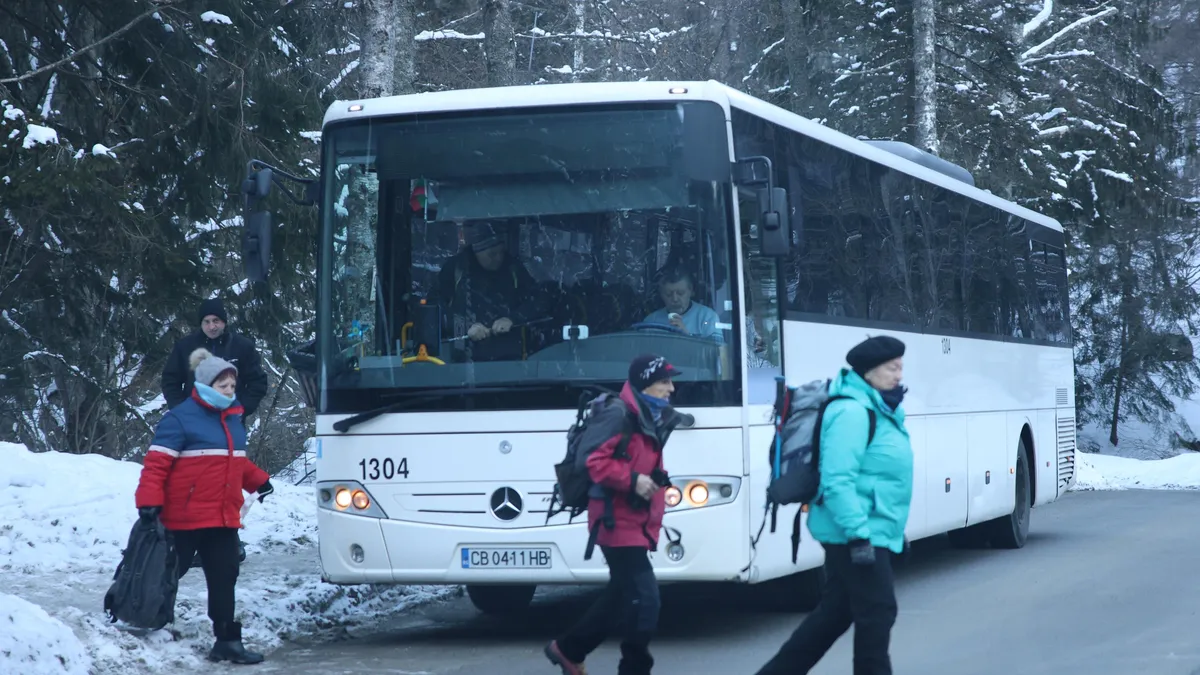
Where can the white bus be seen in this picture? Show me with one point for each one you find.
(436, 466)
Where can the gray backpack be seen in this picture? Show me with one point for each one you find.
(147, 579)
(795, 454)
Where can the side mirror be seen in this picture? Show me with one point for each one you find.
(256, 245)
(775, 223)
(258, 184)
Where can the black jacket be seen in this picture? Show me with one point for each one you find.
(177, 377)
(470, 294)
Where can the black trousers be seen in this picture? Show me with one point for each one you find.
(218, 548)
(631, 597)
(862, 595)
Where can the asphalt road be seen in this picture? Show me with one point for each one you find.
(1106, 585)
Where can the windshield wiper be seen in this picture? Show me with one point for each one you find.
(346, 424)
(428, 395)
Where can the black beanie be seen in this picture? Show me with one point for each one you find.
(213, 307)
(873, 352)
(647, 369)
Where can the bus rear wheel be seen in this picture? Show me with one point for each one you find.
(501, 600)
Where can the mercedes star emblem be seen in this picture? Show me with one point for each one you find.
(506, 504)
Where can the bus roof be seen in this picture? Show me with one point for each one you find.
(629, 92)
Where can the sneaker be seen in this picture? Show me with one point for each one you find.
(556, 657)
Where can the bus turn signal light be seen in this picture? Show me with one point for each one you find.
(361, 501)
(673, 496)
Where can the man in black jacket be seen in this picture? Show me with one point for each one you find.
(488, 295)
(177, 378)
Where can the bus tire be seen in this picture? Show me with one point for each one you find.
(501, 600)
(1012, 531)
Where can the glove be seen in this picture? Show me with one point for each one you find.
(861, 552)
(148, 514)
(264, 490)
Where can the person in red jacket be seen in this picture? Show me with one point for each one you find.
(627, 501)
(193, 478)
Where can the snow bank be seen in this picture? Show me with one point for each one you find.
(34, 643)
(65, 518)
(62, 512)
(1106, 472)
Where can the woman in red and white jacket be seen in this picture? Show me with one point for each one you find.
(193, 478)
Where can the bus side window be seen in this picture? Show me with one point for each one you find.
(763, 331)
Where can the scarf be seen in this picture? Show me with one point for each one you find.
(656, 406)
(893, 397)
(213, 397)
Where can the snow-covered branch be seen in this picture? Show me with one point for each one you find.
(1059, 56)
(426, 35)
(649, 36)
(1037, 21)
(1070, 27)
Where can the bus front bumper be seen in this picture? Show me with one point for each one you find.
(358, 550)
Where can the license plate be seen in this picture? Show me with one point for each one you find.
(505, 558)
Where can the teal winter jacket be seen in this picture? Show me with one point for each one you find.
(866, 490)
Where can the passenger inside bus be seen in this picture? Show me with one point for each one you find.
(488, 298)
(675, 289)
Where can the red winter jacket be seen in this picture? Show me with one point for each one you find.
(640, 526)
(197, 467)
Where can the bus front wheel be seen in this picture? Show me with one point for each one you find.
(500, 600)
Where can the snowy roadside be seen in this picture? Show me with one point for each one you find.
(1110, 472)
(63, 522)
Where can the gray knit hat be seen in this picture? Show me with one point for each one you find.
(208, 367)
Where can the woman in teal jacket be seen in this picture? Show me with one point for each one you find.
(860, 514)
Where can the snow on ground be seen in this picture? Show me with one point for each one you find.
(34, 643)
(1107, 472)
(64, 520)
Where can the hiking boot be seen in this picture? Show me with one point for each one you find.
(228, 646)
(556, 657)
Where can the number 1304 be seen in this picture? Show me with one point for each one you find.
(387, 468)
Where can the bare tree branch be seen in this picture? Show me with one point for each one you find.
(104, 40)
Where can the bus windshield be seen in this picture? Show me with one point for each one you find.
(522, 254)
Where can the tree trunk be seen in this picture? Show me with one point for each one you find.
(377, 64)
(577, 61)
(796, 15)
(499, 43)
(404, 77)
(925, 74)
(377, 70)
(1120, 385)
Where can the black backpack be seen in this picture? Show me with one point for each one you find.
(597, 419)
(147, 579)
(795, 454)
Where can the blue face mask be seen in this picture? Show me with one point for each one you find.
(213, 397)
(656, 405)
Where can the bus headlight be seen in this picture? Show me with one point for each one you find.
(700, 491)
(347, 496)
